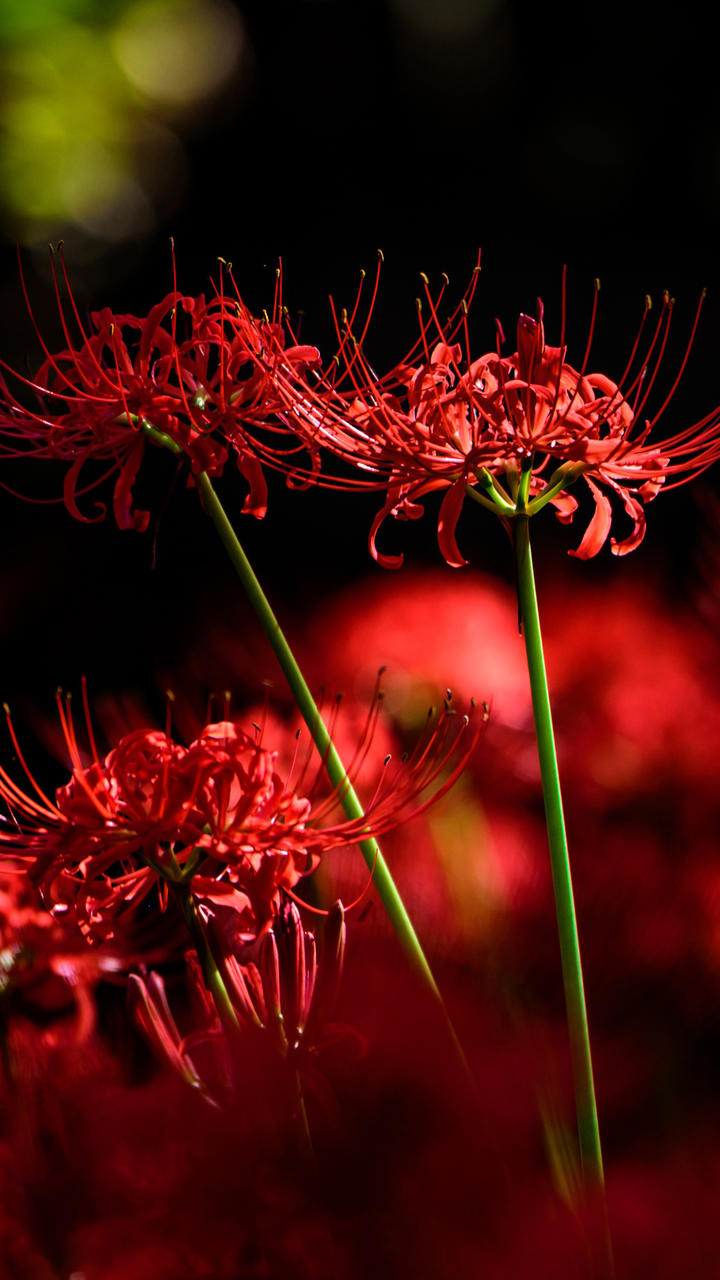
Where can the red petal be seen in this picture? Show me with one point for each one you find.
(565, 507)
(148, 1002)
(530, 345)
(651, 488)
(447, 523)
(636, 513)
(122, 496)
(599, 527)
(304, 356)
(219, 892)
(256, 502)
(69, 487)
(387, 562)
(445, 354)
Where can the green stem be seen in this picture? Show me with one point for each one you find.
(495, 495)
(382, 878)
(558, 482)
(488, 503)
(588, 1130)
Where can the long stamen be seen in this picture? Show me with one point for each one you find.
(683, 362)
(28, 774)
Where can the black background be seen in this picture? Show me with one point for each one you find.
(542, 135)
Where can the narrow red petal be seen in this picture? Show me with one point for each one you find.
(69, 488)
(387, 562)
(122, 495)
(598, 529)
(447, 523)
(636, 512)
(256, 501)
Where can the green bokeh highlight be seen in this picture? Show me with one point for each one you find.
(74, 127)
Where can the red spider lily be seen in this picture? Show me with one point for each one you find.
(285, 994)
(215, 816)
(443, 420)
(182, 369)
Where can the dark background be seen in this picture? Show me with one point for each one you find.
(543, 135)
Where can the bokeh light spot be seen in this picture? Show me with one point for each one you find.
(90, 93)
(179, 53)
(100, 194)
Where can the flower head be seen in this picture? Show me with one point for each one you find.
(216, 816)
(182, 370)
(445, 420)
(283, 993)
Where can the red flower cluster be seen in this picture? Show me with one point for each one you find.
(215, 816)
(213, 379)
(444, 420)
(183, 369)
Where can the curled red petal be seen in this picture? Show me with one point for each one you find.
(69, 487)
(256, 501)
(598, 529)
(652, 487)
(387, 562)
(219, 893)
(444, 353)
(122, 494)
(450, 509)
(303, 356)
(636, 512)
(565, 507)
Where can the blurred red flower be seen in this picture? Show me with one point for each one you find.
(47, 973)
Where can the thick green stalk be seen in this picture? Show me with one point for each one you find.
(382, 878)
(588, 1130)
